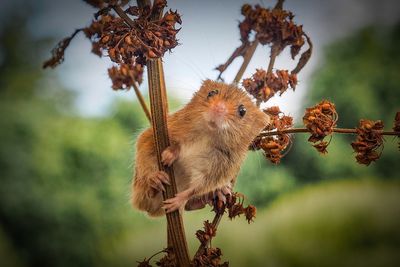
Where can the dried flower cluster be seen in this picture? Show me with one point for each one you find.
(168, 260)
(275, 146)
(125, 75)
(234, 206)
(320, 121)
(368, 142)
(275, 27)
(263, 85)
(210, 258)
(128, 45)
(209, 232)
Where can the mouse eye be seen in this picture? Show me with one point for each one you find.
(242, 110)
(212, 93)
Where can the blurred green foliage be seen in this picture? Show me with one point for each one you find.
(65, 179)
(360, 74)
(349, 223)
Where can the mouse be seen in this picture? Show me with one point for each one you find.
(209, 140)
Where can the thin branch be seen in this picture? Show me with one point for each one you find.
(246, 60)
(240, 51)
(123, 15)
(279, 4)
(142, 101)
(336, 130)
(275, 50)
(214, 223)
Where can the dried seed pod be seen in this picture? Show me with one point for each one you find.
(250, 213)
(124, 76)
(369, 142)
(263, 85)
(127, 45)
(276, 146)
(396, 126)
(320, 121)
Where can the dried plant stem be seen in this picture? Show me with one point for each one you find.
(246, 60)
(274, 53)
(279, 4)
(123, 15)
(336, 130)
(142, 101)
(159, 110)
(214, 223)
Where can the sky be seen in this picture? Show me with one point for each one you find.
(208, 36)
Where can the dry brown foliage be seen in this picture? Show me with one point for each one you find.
(274, 146)
(369, 141)
(263, 85)
(127, 45)
(320, 121)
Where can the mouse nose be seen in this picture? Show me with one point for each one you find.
(219, 108)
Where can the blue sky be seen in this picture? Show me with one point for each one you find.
(209, 35)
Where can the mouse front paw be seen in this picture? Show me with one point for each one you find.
(170, 154)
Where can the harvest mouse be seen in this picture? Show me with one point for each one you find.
(209, 138)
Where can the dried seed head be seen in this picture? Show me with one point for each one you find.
(263, 85)
(369, 142)
(320, 121)
(276, 146)
(396, 126)
(124, 76)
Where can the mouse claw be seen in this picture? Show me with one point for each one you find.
(227, 190)
(221, 196)
(157, 181)
(173, 204)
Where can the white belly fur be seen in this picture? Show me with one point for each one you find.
(193, 163)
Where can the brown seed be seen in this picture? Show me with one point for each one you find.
(128, 40)
(151, 54)
(105, 39)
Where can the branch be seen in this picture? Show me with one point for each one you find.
(123, 15)
(246, 60)
(141, 101)
(214, 223)
(159, 110)
(274, 53)
(336, 130)
(240, 51)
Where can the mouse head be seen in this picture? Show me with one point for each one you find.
(228, 112)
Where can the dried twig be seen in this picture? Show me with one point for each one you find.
(141, 101)
(159, 110)
(246, 60)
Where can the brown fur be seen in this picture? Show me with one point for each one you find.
(209, 158)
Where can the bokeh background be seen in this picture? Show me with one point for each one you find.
(66, 142)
